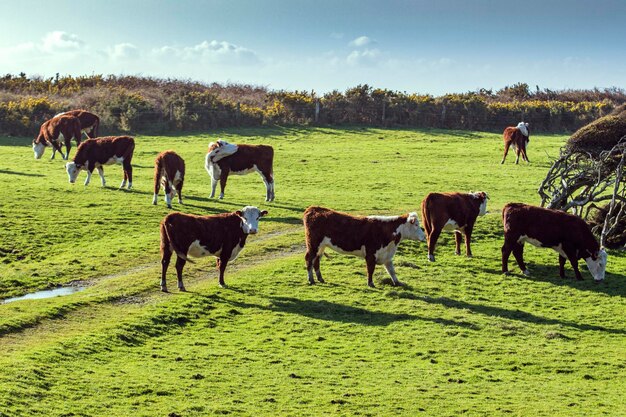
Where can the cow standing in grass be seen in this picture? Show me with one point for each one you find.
(518, 137)
(94, 153)
(169, 170)
(51, 133)
(89, 122)
(452, 212)
(374, 238)
(225, 158)
(222, 235)
(565, 233)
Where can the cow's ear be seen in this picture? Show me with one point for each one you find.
(412, 220)
(239, 213)
(264, 213)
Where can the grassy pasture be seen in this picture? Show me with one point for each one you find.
(458, 339)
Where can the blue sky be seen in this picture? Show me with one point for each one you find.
(430, 47)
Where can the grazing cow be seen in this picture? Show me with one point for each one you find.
(374, 238)
(94, 153)
(567, 234)
(222, 235)
(89, 122)
(241, 160)
(452, 212)
(51, 132)
(169, 169)
(518, 137)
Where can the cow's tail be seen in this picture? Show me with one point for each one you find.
(158, 167)
(167, 240)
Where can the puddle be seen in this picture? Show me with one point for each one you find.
(57, 292)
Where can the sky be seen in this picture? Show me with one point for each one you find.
(426, 47)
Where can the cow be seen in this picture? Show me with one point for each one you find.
(169, 170)
(374, 238)
(241, 160)
(518, 137)
(565, 233)
(222, 235)
(452, 212)
(89, 122)
(94, 153)
(51, 132)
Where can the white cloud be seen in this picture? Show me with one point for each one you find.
(367, 57)
(217, 52)
(59, 41)
(361, 41)
(123, 51)
(337, 35)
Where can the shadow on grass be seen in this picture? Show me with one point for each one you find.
(509, 314)
(330, 311)
(23, 174)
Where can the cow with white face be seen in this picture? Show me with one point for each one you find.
(52, 132)
(566, 234)
(95, 153)
(375, 238)
(221, 235)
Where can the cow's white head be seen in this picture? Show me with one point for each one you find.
(597, 264)
(412, 229)
(39, 147)
(220, 149)
(72, 171)
(524, 128)
(250, 216)
(482, 197)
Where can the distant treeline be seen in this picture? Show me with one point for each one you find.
(153, 105)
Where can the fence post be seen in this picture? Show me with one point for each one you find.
(384, 109)
(317, 111)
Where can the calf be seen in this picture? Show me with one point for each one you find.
(244, 159)
(169, 169)
(452, 212)
(94, 153)
(565, 233)
(89, 122)
(51, 132)
(223, 236)
(518, 137)
(374, 238)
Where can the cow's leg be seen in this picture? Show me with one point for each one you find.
(128, 174)
(179, 191)
(223, 179)
(268, 180)
(506, 252)
(168, 194)
(68, 146)
(574, 261)
(432, 241)
(562, 260)
(157, 188)
(221, 265)
(101, 173)
(56, 147)
(518, 252)
(507, 145)
(89, 171)
(457, 241)
(517, 152)
(180, 264)
(392, 273)
(370, 260)
(316, 266)
(468, 239)
(524, 155)
(166, 255)
(213, 187)
(309, 257)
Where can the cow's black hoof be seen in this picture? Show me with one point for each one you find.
(321, 281)
(506, 273)
(164, 289)
(182, 289)
(371, 285)
(311, 282)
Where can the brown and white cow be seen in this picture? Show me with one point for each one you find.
(89, 122)
(53, 131)
(518, 137)
(374, 238)
(565, 233)
(452, 212)
(240, 160)
(222, 235)
(169, 170)
(94, 153)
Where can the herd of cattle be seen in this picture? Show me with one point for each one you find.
(374, 238)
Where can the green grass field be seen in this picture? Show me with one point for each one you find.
(458, 339)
